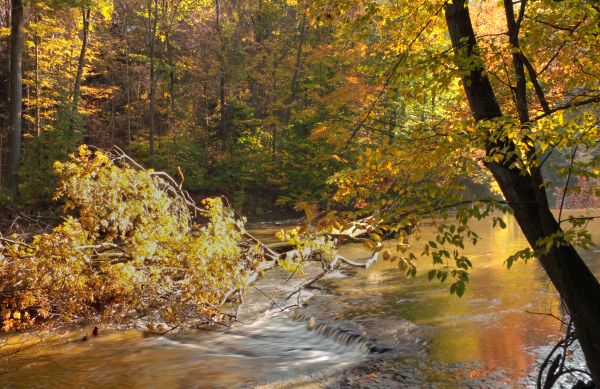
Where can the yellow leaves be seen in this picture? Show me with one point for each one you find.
(82, 153)
(353, 80)
(58, 167)
(498, 157)
(105, 8)
(305, 242)
(291, 266)
(131, 247)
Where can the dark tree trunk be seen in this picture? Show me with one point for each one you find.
(223, 110)
(294, 88)
(85, 12)
(153, 18)
(171, 63)
(298, 64)
(128, 94)
(16, 97)
(574, 281)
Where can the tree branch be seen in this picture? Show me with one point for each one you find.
(536, 85)
(570, 104)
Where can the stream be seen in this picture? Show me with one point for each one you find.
(493, 330)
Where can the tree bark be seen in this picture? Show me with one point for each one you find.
(518, 63)
(85, 12)
(36, 65)
(298, 64)
(294, 87)
(171, 63)
(222, 91)
(576, 284)
(128, 94)
(16, 97)
(153, 18)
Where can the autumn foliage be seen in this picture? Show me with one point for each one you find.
(131, 246)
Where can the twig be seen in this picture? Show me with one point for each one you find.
(566, 188)
(270, 298)
(388, 80)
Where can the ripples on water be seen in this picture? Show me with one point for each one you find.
(271, 349)
(489, 326)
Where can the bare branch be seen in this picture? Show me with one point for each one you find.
(536, 84)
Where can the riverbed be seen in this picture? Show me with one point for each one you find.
(414, 327)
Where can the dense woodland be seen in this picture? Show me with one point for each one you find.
(358, 111)
(250, 98)
(260, 100)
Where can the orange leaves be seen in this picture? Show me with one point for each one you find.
(15, 320)
(360, 204)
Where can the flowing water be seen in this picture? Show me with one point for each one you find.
(351, 315)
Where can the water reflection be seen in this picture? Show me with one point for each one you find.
(489, 325)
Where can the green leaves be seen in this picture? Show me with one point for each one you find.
(458, 288)
(498, 221)
(525, 254)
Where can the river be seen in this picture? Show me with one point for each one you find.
(493, 330)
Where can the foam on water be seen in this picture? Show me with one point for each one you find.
(274, 348)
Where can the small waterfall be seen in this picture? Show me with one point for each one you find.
(340, 335)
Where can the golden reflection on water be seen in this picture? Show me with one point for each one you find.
(493, 323)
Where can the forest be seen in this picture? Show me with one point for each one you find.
(163, 163)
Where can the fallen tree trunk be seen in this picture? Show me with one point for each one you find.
(354, 232)
(139, 247)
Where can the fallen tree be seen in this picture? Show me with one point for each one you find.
(134, 245)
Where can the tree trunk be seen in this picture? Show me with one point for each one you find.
(113, 119)
(16, 97)
(85, 12)
(298, 65)
(36, 65)
(206, 111)
(222, 92)
(153, 17)
(171, 63)
(128, 94)
(526, 194)
(297, 69)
